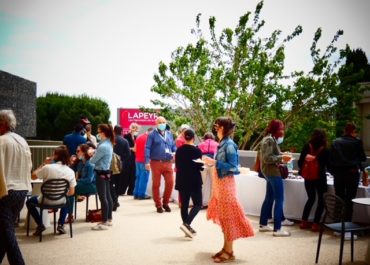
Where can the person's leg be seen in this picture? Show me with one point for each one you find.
(278, 193)
(144, 177)
(267, 205)
(320, 202)
(100, 186)
(311, 194)
(137, 181)
(339, 185)
(132, 176)
(197, 205)
(31, 202)
(351, 191)
(185, 198)
(168, 178)
(227, 252)
(109, 199)
(10, 206)
(64, 211)
(112, 189)
(156, 169)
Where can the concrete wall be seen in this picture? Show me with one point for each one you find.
(19, 95)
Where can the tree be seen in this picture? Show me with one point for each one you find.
(355, 70)
(58, 114)
(241, 74)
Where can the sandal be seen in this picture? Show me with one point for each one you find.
(224, 257)
(218, 254)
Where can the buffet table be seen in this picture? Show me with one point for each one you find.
(251, 193)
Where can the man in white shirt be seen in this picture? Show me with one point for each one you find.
(15, 182)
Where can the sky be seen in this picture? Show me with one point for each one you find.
(110, 49)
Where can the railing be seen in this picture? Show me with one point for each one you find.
(40, 150)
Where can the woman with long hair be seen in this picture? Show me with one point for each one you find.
(102, 159)
(317, 146)
(224, 207)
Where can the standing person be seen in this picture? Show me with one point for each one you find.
(180, 140)
(271, 156)
(15, 182)
(189, 181)
(159, 149)
(102, 160)
(224, 207)
(55, 167)
(142, 174)
(89, 136)
(208, 148)
(121, 148)
(74, 139)
(131, 137)
(346, 155)
(317, 146)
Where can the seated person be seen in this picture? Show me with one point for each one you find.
(85, 173)
(52, 168)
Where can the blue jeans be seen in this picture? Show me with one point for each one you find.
(142, 176)
(274, 193)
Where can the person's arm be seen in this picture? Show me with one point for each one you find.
(302, 156)
(71, 191)
(148, 146)
(231, 162)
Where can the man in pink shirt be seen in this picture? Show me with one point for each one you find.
(208, 148)
(142, 174)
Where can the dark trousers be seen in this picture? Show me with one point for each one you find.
(10, 207)
(312, 187)
(186, 216)
(103, 188)
(130, 176)
(345, 185)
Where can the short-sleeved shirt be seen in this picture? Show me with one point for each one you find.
(56, 171)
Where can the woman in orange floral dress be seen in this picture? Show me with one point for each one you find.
(224, 207)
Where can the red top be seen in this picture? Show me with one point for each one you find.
(140, 147)
(180, 140)
(209, 146)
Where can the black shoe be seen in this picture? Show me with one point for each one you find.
(185, 228)
(167, 208)
(61, 230)
(159, 210)
(39, 230)
(191, 229)
(146, 197)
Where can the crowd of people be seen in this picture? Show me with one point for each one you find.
(204, 176)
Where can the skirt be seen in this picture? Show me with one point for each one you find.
(225, 209)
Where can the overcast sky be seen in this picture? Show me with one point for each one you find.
(98, 47)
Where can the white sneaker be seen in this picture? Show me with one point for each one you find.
(281, 233)
(99, 227)
(108, 223)
(186, 231)
(286, 222)
(265, 228)
(270, 221)
(347, 235)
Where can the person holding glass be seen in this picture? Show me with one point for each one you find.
(224, 207)
(271, 157)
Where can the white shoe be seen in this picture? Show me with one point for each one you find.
(186, 231)
(99, 227)
(265, 228)
(286, 222)
(270, 221)
(281, 233)
(108, 223)
(347, 235)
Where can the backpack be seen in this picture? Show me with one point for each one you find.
(311, 167)
(116, 164)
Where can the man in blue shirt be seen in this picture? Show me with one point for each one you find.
(159, 150)
(74, 139)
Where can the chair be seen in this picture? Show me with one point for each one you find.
(334, 220)
(52, 190)
(87, 195)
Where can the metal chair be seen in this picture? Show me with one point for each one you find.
(52, 190)
(334, 220)
(87, 195)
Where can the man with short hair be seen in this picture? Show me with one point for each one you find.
(74, 139)
(15, 182)
(159, 150)
(346, 155)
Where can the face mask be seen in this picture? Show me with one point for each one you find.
(80, 157)
(98, 137)
(136, 133)
(280, 140)
(162, 126)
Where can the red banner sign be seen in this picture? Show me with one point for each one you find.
(128, 116)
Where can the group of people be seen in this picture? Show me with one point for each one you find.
(204, 175)
(343, 159)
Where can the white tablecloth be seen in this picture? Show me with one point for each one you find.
(251, 192)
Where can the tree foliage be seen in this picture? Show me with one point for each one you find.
(240, 74)
(58, 114)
